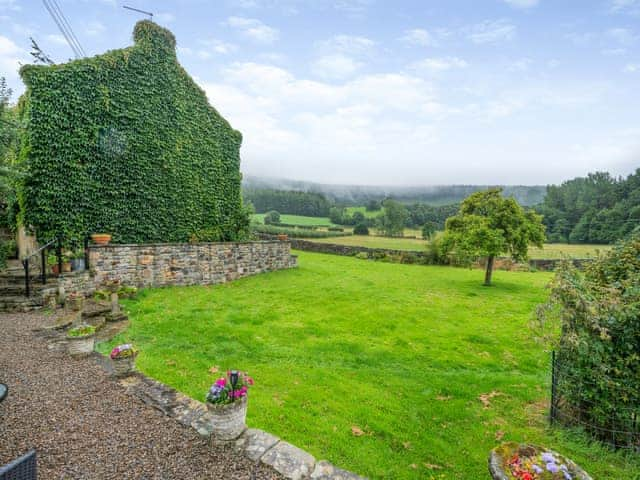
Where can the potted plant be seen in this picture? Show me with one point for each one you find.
(77, 261)
(101, 238)
(123, 358)
(529, 462)
(52, 261)
(81, 340)
(66, 261)
(227, 405)
(75, 301)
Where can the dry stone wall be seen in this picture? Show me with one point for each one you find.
(165, 264)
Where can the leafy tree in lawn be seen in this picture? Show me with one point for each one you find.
(428, 230)
(336, 215)
(373, 206)
(489, 225)
(358, 217)
(393, 219)
(272, 218)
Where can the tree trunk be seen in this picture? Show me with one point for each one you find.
(489, 271)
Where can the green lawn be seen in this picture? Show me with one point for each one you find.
(363, 210)
(400, 355)
(295, 219)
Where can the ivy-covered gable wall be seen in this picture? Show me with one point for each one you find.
(126, 143)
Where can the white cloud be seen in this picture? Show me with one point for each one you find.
(522, 3)
(631, 68)
(418, 36)
(347, 44)
(625, 6)
(6, 5)
(218, 46)
(11, 56)
(254, 29)
(623, 36)
(335, 66)
(492, 31)
(438, 64)
(352, 7)
(94, 28)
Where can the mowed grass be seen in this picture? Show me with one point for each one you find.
(379, 368)
(295, 220)
(549, 250)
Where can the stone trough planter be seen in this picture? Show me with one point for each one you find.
(501, 456)
(80, 346)
(124, 366)
(228, 420)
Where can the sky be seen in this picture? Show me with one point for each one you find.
(404, 92)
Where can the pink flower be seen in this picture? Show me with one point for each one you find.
(250, 380)
(114, 352)
(221, 382)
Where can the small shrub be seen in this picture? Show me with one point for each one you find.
(81, 331)
(361, 229)
(272, 218)
(362, 255)
(335, 229)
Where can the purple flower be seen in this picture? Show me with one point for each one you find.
(537, 469)
(567, 476)
(552, 467)
(548, 457)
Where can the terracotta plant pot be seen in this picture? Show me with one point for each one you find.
(101, 238)
(80, 346)
(66, 267)
(282, 237)
(124, 366)
(228, 420)
(54, 269)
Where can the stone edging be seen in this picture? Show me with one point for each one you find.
(259, 446)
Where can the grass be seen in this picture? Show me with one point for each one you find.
(549, 251)
(363, 210)
(379, 368)
(295, 220)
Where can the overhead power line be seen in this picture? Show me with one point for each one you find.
(65, 28)
(139, 11)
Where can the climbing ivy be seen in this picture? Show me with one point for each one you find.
(126, 143)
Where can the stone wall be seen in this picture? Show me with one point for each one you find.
(414, 256)
(164, 264)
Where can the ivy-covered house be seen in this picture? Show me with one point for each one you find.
(126, 143)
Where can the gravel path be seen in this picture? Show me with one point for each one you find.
(84, 426)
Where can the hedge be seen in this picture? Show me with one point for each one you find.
(127, 143)
(296, 232)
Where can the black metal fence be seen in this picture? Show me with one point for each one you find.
(615, 424)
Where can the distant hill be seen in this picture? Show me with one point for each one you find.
(353, 195)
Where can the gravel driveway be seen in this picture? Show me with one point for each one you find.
(84, 426)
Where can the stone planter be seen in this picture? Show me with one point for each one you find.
(80, 346)
(124, 366)
(500, 456)
(228, 420)
(75, 302)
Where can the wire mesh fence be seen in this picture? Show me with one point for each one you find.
(614, 422)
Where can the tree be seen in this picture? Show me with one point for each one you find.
(393, 218)
(361, 229)
(272, 218)
(489, 225)
(373, 206)
(428, 230)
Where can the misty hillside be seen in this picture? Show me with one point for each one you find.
(349, 195)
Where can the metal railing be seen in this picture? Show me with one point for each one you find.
(42, 252)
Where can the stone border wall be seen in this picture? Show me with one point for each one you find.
(406, 256)
(180, 264)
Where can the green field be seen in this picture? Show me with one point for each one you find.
(380, 368)
(549, 251)
(363, 210)
(295, 220)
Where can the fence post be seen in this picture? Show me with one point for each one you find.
(59, 255)
(86, 253)
(552, 409)
(27, 289)
(43, 266)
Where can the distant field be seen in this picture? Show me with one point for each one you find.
(550, 250)
(295, 219)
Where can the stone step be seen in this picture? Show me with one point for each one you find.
(20, 303)
(14, 289)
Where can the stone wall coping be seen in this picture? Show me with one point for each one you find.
(180, 244)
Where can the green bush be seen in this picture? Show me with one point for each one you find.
(272, 218)
(361, 229)
(335, 229)
(127, 143)
(3, 254)
(596, 313)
